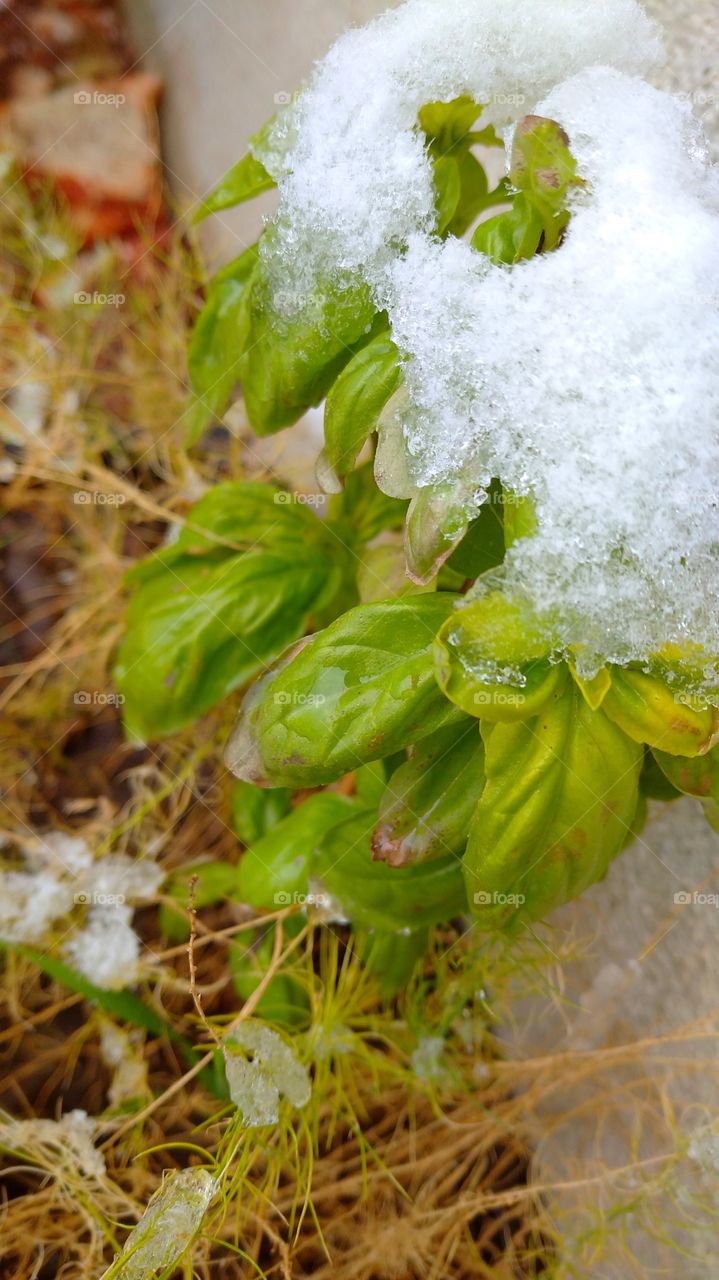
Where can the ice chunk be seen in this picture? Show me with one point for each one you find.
(172, 1218)
(260, 1067)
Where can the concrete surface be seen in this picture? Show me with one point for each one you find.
(644, 972)
(226, 64)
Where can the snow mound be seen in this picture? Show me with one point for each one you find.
(587, 378)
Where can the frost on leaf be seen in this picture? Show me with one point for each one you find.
(167, 1226)
(260, 1068)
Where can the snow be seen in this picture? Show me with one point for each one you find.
(106, 950)
(356, 181)
(60, 876)
(260, 1066)
(73, 853)
(587, 378)
(123, 1051)
(118, 877)
(29, 902)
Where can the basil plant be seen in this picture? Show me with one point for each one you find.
(359, 655)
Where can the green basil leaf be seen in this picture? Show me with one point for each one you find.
(447, 125)
(256, 811)
(218, 340)
(293, 356)
(429, 802)
(542, 163)
(205, 618)
(473, 194)
(654, 782)
(651, 710)
(372, 895)
(639, 821)
(295, 861)
(275, 871)
(593, 690)
(231, 518)
(209, 628)
(362, 511)
(512, 236)
(487, 137)
(482, 547)
(543, 171)
(393, 958)
(560, 798)
(520, 517)
(392, 471)
(543, 166)
(356, 400)
(491, 660)
(360, 690)
(382, 574)
(244, 181)
(370, 783)
(448, 184)
(437, 521)
(698, 776)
